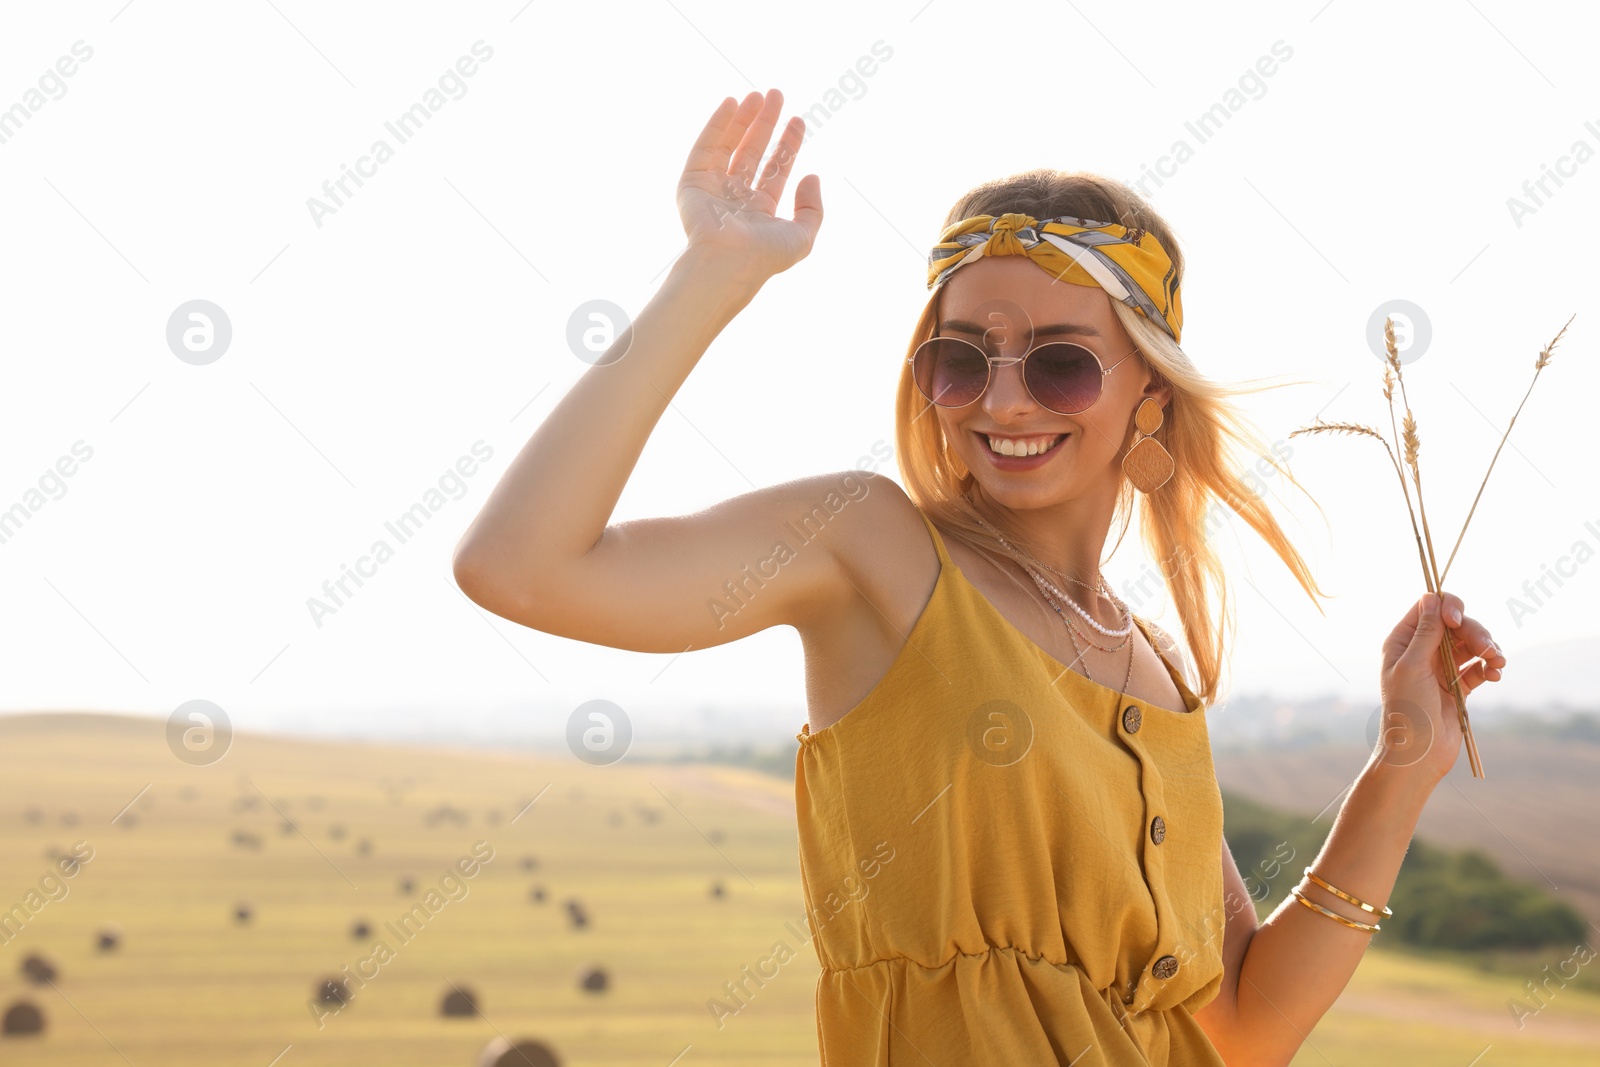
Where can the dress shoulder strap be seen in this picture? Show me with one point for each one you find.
(938, 539)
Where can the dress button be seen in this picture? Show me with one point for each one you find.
(1132, 718)
(1165, 967)
(1158, 829)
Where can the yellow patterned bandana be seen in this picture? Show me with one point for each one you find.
(1129, 264)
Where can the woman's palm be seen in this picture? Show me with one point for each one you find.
(725, 206)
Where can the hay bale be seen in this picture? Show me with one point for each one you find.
(407, 884)
(24, 1017)
(242, 913)
(128, 820)
(594, 980)
(33, 816)
(286, 826)
(445, 813)
(360, 930)
(492, 818)
(530, 863)
(459, 1003)
(536, 894)
(576, 915)
(364, 847)
(336, 832)
(525, 1053)
(715, 836)
(718, 891)
(38, 970)
(246, 839)
(333, 991)
(108, 939)
(70, 818)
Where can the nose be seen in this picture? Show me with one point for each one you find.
(1007, 397)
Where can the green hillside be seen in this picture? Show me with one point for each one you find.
(1443, 898)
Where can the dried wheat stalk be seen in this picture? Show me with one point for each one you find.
(1411, 441)
(1538, 365)
(1430, 567)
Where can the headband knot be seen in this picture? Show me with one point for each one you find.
(1128, 263)
(1013, 234)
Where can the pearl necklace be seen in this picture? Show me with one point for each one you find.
(1048, 586)
(1126, 678)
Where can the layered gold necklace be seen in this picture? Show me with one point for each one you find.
(1051, 592)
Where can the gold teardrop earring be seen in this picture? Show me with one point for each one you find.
(1147, 465)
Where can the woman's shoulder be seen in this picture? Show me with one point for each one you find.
(881, 540)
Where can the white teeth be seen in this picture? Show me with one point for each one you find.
(1030, 446)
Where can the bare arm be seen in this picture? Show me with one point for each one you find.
(540, 551)
(550, 509)
(1282, 977)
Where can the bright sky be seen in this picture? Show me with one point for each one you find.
(1360, 154)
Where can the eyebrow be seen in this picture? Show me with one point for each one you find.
(1068, 328)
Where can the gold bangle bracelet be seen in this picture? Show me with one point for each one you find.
(1318, 908)
(1342, 895)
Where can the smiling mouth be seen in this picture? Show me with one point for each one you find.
(1022, 448)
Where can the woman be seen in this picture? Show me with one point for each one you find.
(1010, 829)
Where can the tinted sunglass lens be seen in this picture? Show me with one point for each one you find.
(950, 372)
(1064, 377)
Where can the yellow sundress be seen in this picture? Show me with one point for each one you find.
(1006, 863)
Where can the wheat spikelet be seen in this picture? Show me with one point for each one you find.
(1413, 441)
(1544, 355)
(1338, 427)
(1388, 384)
(1389, 345)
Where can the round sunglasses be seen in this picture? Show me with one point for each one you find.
(1064, 377)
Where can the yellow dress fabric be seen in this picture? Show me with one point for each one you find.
(980, 865)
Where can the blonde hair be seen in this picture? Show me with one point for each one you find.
(1198, 422)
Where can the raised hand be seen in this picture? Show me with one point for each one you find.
(726, 207)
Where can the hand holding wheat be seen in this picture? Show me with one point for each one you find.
(1420, 726)
(1411, 698)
